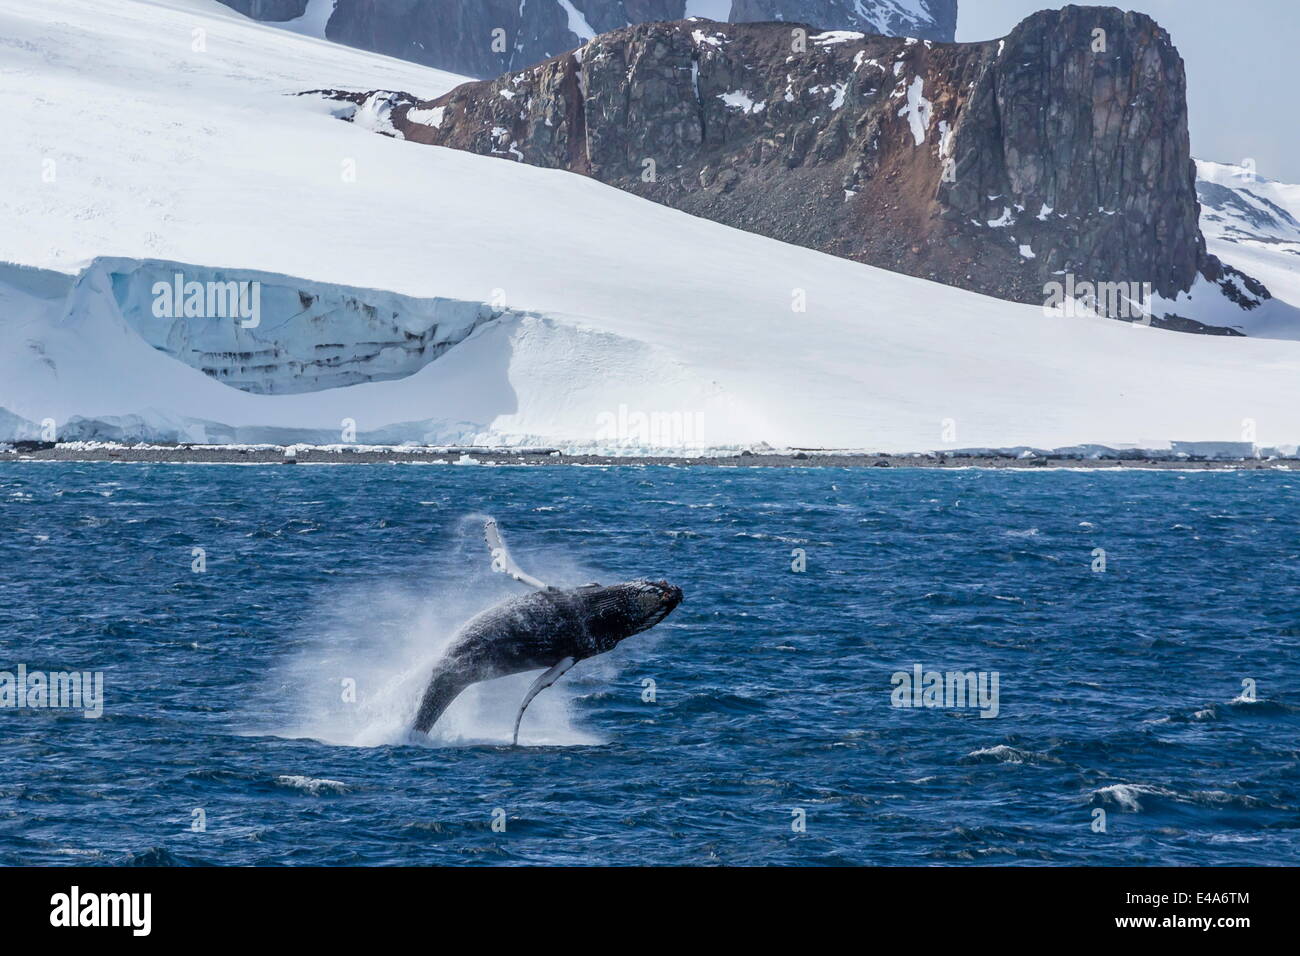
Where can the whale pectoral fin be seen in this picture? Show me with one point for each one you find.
(501, 560)
(547, 678)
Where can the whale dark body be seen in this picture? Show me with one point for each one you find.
(549, 628)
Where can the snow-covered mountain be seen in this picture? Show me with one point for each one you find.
(1253, 224)
(162, 138)
(923, 19)
(486, 37)
(1239, 206)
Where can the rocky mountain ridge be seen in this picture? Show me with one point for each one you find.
(486, 37)
(1059, 151)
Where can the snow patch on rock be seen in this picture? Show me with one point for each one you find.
(918, 110)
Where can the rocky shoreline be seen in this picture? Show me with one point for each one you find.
(370, 455)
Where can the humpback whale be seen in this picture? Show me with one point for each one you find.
(551, 628)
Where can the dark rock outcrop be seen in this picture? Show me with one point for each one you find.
(274, 11)
(998, 167)
(1058, 130)
(483, 37)
(459, 35)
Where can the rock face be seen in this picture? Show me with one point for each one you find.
(276, 11)
(1090, 128)
(459, 35)
(1060, 151)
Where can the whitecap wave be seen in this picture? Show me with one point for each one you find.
(313, 785)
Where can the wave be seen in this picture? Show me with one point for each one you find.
(1004, 753)
(1138, 797)
(313, 785)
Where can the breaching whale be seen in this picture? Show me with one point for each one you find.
(549, 628)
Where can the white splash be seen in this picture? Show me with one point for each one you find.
(363, 656)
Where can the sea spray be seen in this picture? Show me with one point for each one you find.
(364, 653)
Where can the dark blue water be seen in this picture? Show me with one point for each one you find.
(224, 690)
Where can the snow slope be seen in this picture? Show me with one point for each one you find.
(601, 302)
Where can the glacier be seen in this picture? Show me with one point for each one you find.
(303, 337)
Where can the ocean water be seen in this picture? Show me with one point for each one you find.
(255, 709)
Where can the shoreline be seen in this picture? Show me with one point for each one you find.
(311, 455)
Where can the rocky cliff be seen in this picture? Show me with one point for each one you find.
(486, 37)
(1059, 152)
(276, 11)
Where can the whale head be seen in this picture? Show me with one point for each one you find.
(614, 613)
(655, 600)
